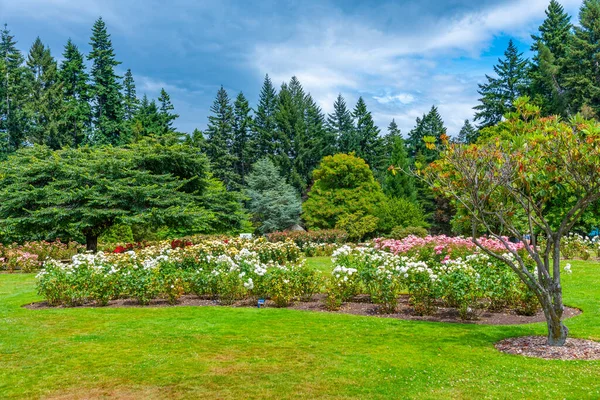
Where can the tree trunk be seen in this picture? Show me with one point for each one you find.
(91, 242)
(557, 332)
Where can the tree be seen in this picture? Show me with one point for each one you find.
(242, 147)
(147, 120)
(582, 76)
(468, 133)
(510, 185)
(167, 116)
(344, 195)
(130, 100)
(72, 193)
(498, 94)
(76, 121)
(398, 182)
(547, 67)
(107, 100)
(366, 142)
(274, 204)
(264, 120)
(428, 129)
(219, 138)
(340, 125)
(397, 212)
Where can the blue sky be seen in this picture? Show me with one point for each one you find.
(401, 56)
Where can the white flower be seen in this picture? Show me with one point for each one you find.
(568, 269)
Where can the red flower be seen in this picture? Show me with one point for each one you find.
(119, 249)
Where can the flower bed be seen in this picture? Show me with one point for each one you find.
(30, 256)
(313, 243)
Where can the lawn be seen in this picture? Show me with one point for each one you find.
(233, 353)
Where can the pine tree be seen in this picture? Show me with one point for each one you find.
(366, 141)
(468, 133)
(242, 138)
(340, 125)
(130, 100)
(106, 89)
(547, 69)
(430, 125)
(398, 183)
(13, 94)
(167, 115)
(264, 121)
(582, 77)
(219, 137)
(289, 125)
(147, 120)
(76, 121)
(498, 94)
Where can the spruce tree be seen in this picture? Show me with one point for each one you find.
(106, 88)
(167, 115)
(242, 138)
(219, 138)
(499, 93)
(468, 133)
(582, 77)
(430, 125)
(147, 120)
(289, 125)
(548, 64)
(264, 121)
(130, 100)
(366, 143)
(76, 121)
(398, 183)
(340, 125)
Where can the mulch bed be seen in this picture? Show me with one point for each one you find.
(360, 305)
(537, 346)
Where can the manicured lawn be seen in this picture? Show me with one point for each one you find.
(229, 353)
(322, 264)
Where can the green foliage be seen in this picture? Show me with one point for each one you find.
(398, 212)
(117, 234)
(274, 204)
(398, 181)
(344, 190)
(400, 232)
(340, 124)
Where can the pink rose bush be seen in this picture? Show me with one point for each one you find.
(29, 256)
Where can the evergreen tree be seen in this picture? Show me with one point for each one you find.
(167, 115)
(582, 77)
(106, 89)
(264, 121)
(147, 120)
(366, 142)
(498, 94)
(13, 94)
(274, 204)
(547, 69)
(242, 138)
(130, 100)
(398, 183)
(76, 119)
(219, 137)
(468, 133)
(429, 126)
(340, 125)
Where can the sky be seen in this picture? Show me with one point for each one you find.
(401, 56)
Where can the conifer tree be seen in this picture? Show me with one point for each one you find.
(430, 125)
(548, 64)
(366, 142)
(130, 100)
(106, 88)
(468, 133)
(499, 93)
(264, 121)
(219, 137)
(147, 120)
(399, 184)
(166, 112)
(340, 125)
(76, 119)
(242, 138)
(289, 125)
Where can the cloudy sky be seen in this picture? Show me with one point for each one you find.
(402, 56)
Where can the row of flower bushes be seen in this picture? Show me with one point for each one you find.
(29, 256)
(312, 243)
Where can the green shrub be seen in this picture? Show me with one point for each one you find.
(400, 233)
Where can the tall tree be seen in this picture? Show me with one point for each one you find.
(76, 119)
(499, 93)
(264, 121)
(547, 68)
(13, 94)
(130, 100)
(147, 120)
(340, 125)
(398, 182)
(242, 147)
(429, 127)
(106, 88)
(468, 133)
(582, 77)
(219, 138)
(167, 114)
(366, 142)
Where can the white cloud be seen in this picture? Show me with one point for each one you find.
(404, 98)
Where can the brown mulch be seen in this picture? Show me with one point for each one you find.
(360, 305)
(537, 346)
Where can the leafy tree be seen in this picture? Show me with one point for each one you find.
(344, 194)
(399, 213)
(219, 137)
(72, 193)
(167, 116)
(547, 68)
(498, 94)
(468, 133)
(340, 125)
(582, 76)
(398, 182)
(107, 99)
(509, 186)
(76, 119)
(242, 147)
(264, 120)
(274, 204)
(130, 100)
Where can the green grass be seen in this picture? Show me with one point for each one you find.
(322, 264)
(233, 353)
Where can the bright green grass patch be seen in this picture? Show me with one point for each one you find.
(322, 264)
(233, 353)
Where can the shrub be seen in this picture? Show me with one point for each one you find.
(397, 212)
(400, 232)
